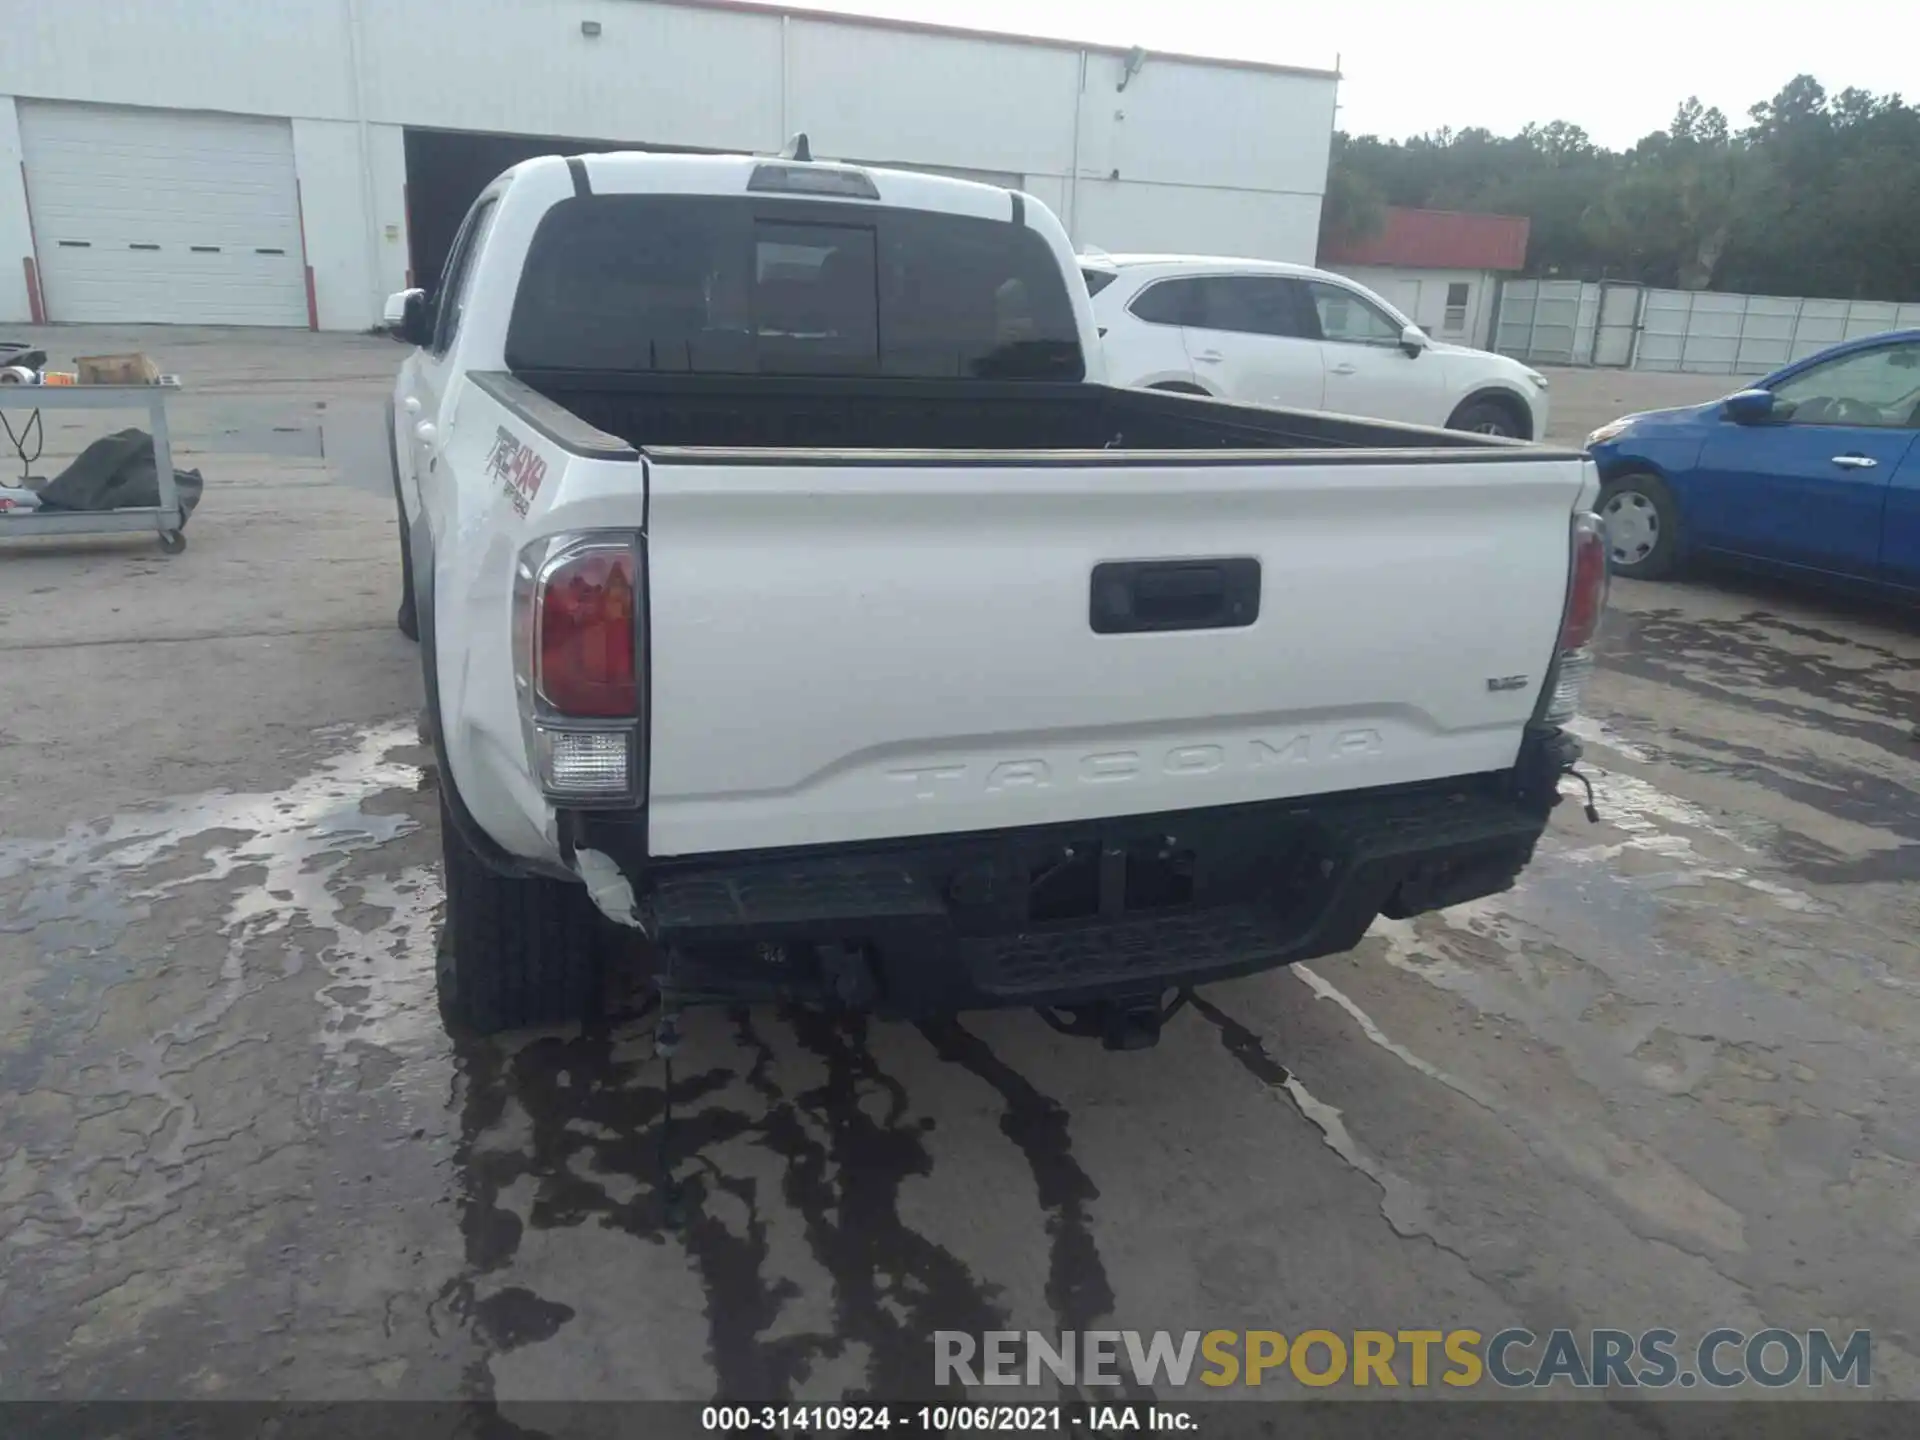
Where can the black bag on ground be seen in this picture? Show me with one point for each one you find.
(14, 352)
(117, 472)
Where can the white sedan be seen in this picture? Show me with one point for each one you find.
(1267, 333)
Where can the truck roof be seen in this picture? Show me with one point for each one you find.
(643, 172)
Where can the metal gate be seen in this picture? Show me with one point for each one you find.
(1613, 337)
(1700, 332)
(1547, 321)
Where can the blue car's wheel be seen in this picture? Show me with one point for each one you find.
(1643, 526)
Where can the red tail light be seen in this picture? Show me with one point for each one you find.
(585, 639)
(1586, 584)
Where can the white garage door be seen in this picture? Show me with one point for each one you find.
(161, 216)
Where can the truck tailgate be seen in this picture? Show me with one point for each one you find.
(854, 647)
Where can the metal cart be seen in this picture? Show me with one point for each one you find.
(164, 519)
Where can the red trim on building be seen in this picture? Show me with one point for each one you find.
(36, 302)
(36, 308)
(313, 303)
(1437, 240)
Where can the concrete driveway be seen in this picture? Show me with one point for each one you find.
(1668, 1081)
(1585, 399)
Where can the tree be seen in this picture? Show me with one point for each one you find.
(1354, 207)
(1675, 203)
(1817, 194)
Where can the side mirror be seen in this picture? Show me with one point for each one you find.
(408, 317)
(1748, 407)
(1413, 340)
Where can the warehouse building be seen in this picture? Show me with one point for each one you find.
(220, 162)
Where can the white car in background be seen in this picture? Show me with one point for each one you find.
(1262, 332)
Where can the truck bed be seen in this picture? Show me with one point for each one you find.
(665, 411)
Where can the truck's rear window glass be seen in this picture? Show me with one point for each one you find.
(812, 297)
(714, 285)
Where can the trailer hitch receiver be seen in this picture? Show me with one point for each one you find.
(1125, 1022)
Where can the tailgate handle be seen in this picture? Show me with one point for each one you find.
(1131, 596)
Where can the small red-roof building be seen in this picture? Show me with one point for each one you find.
(1439, 266)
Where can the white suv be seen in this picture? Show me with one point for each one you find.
(1267, 333)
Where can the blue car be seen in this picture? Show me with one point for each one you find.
(1814, 471)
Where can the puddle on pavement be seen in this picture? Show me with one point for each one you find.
(1403, 1204)
(1767, 664)
(281, 860)
(1658, 823)
(1650, 961)
(1884, 811)
(1608, 907)
(793, 1142)
(795, 1138)
(792, 1145)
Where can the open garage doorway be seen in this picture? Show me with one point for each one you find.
(447, 170)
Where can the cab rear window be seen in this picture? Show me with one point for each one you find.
(721, 285)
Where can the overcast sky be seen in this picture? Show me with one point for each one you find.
(1615, 67)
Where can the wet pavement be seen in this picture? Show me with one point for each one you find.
(1670, 1079)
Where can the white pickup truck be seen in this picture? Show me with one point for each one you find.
(803, 617)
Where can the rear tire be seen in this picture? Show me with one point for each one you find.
(1643, 526)
(515, 953)
(1490, 417)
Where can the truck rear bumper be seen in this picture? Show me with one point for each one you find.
(1081, 914)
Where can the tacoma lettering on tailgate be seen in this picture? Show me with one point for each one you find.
(1113, 767)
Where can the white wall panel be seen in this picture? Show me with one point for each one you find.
(1118, 216)
(286, 58)
(356, 265)
(1211, 126)
(659, 74)
(935, 99)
